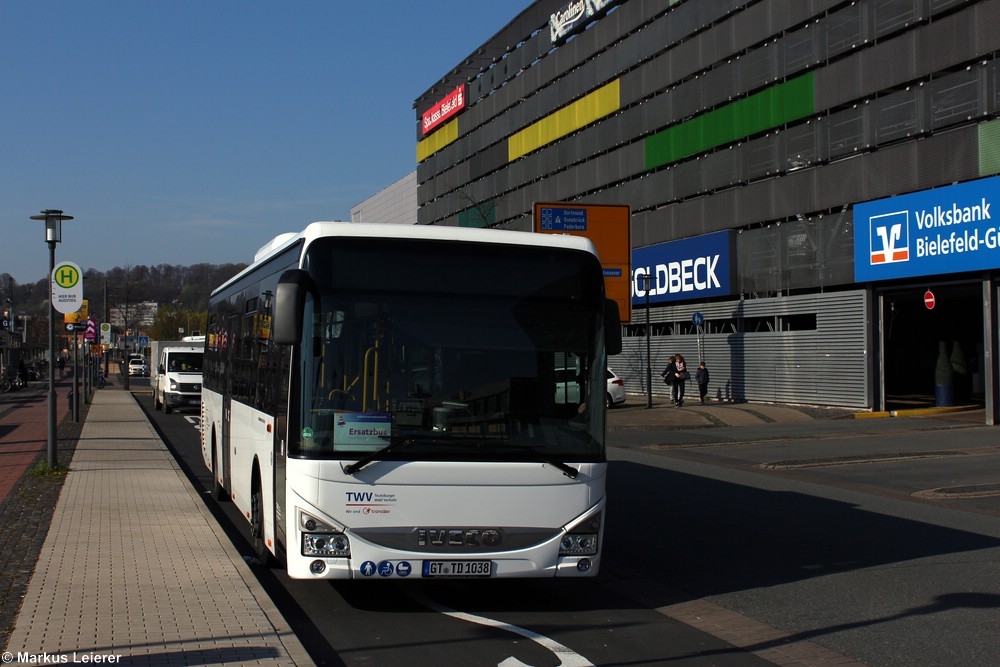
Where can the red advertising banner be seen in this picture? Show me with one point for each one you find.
(450, 105)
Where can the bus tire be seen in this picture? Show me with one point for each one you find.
(265, 557)
(218, 491)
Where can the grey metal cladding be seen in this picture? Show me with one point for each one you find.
(722, 169)
(992, 93)
(754, 203)
(645, 80)
(825, 366)
(837, 184)
(751, 25)
(718, 212)
(803, 48)
(948, 157)
(722, 83)
(562, 186)
(687, 99)
(762, 156)
(882, 175)
(987, 37)
(801, 144)
(682, 21)
(888, 64)
(794, 193)
(937, 6)
(891, 16)
(687, 178)
(845, 29)
(759, 67)
(487, 161)
(947, 42)
(838, 83)
(847, 131)
(898, 115)
(955, 98)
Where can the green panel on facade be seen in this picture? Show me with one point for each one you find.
(480, 216)
(769, 108)
(989, 148)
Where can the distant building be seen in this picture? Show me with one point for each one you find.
(395, 205)
(141, 314)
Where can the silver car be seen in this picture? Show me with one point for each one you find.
(138, 367)
(616, 389)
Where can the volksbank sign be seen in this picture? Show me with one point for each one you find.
(945, 230)
(693, 268)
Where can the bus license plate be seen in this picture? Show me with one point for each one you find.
(458, 568)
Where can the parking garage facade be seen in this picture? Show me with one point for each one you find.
(833, 163)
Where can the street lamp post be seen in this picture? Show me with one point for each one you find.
(646, 279)
(53, 234)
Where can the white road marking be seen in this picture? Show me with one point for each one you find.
(567, 657)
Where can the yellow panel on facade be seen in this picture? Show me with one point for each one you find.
(598, 104)
(436, 141)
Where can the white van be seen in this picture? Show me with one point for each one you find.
(178, 378)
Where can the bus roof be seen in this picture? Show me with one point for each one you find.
(325, 229)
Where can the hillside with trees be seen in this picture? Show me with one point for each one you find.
(181, 293)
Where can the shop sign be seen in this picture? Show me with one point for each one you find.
(951, 229)
(447, 107)
(574, 16)
(693, 268)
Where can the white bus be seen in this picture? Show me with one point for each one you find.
(393, 401)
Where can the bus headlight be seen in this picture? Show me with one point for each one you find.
(578, 545)
(582, 539)
(321, 539)
(326, 545)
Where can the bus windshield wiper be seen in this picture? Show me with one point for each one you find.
(567, 470)
(394, 444)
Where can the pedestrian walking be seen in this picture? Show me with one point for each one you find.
(668, 376)
(681, 375)
(701, 377)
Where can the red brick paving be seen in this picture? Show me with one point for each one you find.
(24, 430)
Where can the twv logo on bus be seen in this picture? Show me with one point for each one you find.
(458, 537)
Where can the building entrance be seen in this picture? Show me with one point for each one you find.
(915, 335)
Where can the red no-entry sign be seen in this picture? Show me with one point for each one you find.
(929, 299)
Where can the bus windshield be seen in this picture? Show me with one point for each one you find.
(453, 352)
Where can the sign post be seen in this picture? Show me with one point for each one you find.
(608, 226)
(698, 319)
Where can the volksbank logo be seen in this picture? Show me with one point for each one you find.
(890, 232)
(890, 237)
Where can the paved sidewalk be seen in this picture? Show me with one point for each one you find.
(633, 415)
(135, 570)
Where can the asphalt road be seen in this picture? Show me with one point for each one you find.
(871, 540)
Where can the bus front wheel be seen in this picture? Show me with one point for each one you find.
(218, 491)
(257, 523)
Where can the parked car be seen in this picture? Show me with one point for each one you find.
(616, 389)
(138, 367)
(568, 391)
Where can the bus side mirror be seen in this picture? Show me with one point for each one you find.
(289, 307)
(612, 328)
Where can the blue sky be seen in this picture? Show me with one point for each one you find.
(190, 131)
